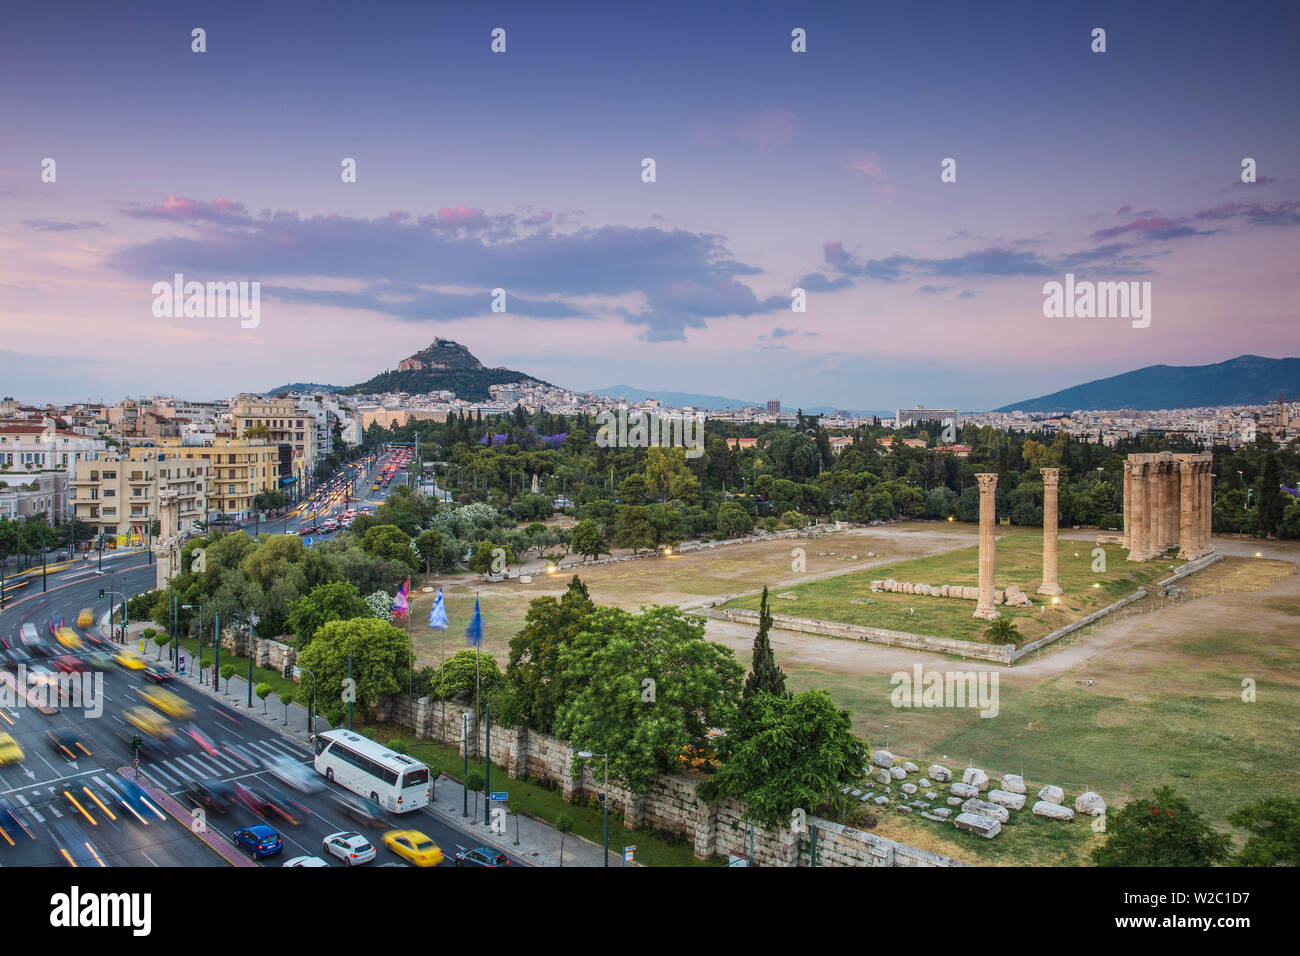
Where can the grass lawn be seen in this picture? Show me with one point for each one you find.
(531, 798)
(1165, 709)
(1019, 561)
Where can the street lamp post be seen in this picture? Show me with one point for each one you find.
(311, 701)
(604, 796)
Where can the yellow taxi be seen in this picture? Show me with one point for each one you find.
(414, 847)
(10, 752)
(68, 638)
(149, 721)
(169, 703)
(86, 618)
(129, 660)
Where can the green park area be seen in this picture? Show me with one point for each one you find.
(848, 598)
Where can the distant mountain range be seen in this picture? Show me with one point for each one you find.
(1244, 380)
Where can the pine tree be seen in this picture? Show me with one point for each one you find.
(764, 675)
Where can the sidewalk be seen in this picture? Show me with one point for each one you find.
(539, 843)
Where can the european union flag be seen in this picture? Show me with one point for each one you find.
(474, 633)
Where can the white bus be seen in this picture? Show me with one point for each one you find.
(395, 781)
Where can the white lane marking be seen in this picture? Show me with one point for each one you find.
(148, 857)
(30, 809)
(163, 773)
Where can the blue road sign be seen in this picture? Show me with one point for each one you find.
(307, 541)
(500, 796)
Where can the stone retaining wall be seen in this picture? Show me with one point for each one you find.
(840, 845)
(998, 653)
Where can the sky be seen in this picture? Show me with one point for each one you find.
(775, 170)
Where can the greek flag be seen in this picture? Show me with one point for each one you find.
(438, 615)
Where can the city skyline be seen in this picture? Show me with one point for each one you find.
(775, 170)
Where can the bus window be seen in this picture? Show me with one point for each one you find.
(415, 778)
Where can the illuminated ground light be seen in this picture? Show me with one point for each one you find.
(1095, 584)
(668, 551)
(1056, 600)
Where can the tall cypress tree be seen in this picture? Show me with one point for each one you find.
(764, 673)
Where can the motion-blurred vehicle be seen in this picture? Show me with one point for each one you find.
(67, 743)
(149, 722)
(481, 856)
(129, 660)
(305, 861)
(278, 802)
(68, 638)
(11, 821)
(299, 776)
(360, 810)
(205, 743)
(414, 847)
(259, 841)
(170, 704)
(74, 845)
(85, 619)
(158, 673)
(212, 795)
(10, 752)
(248, 799)
(100, 661)
(68, 664)
(351, 848)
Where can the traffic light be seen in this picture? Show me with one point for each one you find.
(101, 592)
(288, 671)
(136, 744)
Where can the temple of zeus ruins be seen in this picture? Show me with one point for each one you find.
(1167, 505)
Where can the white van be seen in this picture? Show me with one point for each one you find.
(31, 636)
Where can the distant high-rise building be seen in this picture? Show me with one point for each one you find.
(774, 406)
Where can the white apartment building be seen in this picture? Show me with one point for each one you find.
(43, 447)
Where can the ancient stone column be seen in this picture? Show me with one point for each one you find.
(1137, 545)
(1160, 514)
(1172, 495)
(1128, 503)
(1051, 480)
(1205, 487)
(1188, 546)
(984, 606)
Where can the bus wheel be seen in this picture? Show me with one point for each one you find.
(329, 775)
(374, 796)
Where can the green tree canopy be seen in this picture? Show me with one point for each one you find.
(390, 543)
(335, 601)
(644, 726)
(790, 752)
(1162, 830)
(534, 670)
(380, 655)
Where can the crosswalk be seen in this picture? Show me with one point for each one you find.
(231, 761)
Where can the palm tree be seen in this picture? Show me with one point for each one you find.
(1002, 631)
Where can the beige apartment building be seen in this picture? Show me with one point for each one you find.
(285, 424)
(119, 496)
(238, 470)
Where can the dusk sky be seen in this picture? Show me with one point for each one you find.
(522, 170)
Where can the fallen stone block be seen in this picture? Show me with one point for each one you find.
(976, 777)
(882, 776)
(1090, 803)
(923, 782)
(1013, 783)
(908, 788)
(1051, 794)
(954, 801)
(1053, 810)
(939, 774)
(964, 790)
(984, 826)
(898, 773)
(1012, 801)
(882, 758)
(985, 809)
(911, 767)
(881, 801)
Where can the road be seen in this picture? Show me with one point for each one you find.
(67, 805)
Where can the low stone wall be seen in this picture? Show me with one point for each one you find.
(1061, 632)
(1191, 567)
(998, 653)
(671, 804)
(840, 845)
(1013, 596)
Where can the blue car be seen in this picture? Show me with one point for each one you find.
(259, 841)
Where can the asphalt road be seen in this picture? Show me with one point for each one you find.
(62, 805)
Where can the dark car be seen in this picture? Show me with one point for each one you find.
(259, 841)
(10, 820)
(212, 795)
(249, 799)
(67, 743)
(362, 811)
(157, 673)
(286, 807)
(481, 856)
